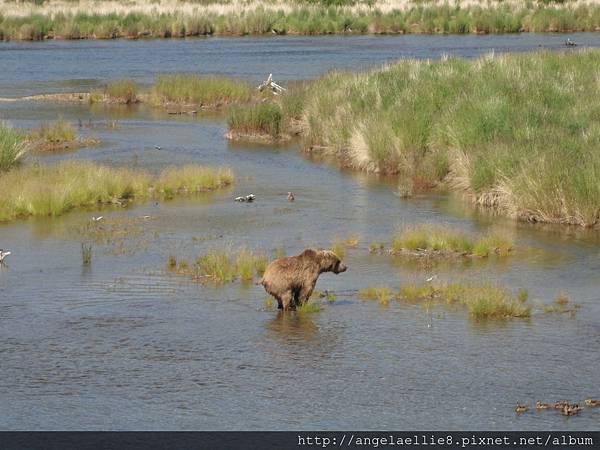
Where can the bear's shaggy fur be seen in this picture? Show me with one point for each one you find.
(292, 280)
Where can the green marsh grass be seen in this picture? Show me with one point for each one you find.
(13, 147)
(429, 238)
(382, 294)
(261, 119)
(121, 91)
(198, 90)
(52, 190)
(94, 20)
(225, 265)
(515, 132)
(308, 308)
(483, 301)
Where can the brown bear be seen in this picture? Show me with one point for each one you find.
(292, 280)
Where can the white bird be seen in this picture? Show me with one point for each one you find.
(431, 278)
(97, 219)
(158, 147)
(240, 199)
(290, 196)
(250, 198)
(3, 254)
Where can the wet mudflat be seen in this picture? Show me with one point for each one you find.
(124, 344)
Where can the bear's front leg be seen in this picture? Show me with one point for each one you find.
(286, 300)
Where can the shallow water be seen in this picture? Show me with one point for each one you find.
(124, 345)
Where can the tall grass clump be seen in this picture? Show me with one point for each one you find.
(53, 135)
(191, 179)
(515, 132)
(121, 91)
(197, 90)
(429, 238)
(262, 119)
(483, 301)
(225, 265)
(52, 190)
(12, 147)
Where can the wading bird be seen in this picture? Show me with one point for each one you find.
(3, 254)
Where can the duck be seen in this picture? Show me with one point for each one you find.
(97, 219)
(246, 198)
(290, 197)
(570, 43)
(521, 408)
(592, 403)
(3, 254)
(540, 405)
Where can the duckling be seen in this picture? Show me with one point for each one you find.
(560, 404)
(290, 197)
(3, 254)
(592, 403)
(570, 410)
(250, 198)
(540, 405)
(521, 408)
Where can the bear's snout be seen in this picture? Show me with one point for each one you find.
(341, 267)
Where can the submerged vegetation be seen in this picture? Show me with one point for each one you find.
(12, 147)
(514, 132)
(483, 301)
(40, 190)
(424, 239)
(169, 19)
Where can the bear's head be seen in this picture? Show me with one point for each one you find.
(329, 262)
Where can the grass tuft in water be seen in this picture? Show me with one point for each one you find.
(200, 91)
(426, 238)
(255, 121)
(376, 247)
(483, 301)
(308, 308)
(12, 147)
(224, 265)
(121, 91)
(382, 294)
(86, 254)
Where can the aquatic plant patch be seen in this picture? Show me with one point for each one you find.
(52, 190)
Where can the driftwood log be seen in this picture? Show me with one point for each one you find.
(270, 84)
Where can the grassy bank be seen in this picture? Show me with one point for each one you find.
(38, 190)
(169, 19)
(12, 147)
(515, 132)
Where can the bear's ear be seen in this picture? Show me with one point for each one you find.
(309, 253)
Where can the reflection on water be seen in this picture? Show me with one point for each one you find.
(123, 345)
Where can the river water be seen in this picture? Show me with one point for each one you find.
(123, 344)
